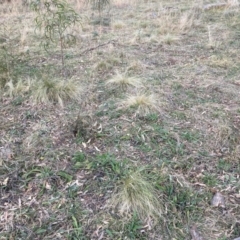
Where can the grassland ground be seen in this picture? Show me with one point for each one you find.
(138, 138)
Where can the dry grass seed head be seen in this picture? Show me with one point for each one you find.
(186, 21)
(143, 102)
(135, 194)
(166, 23)
(123, 81)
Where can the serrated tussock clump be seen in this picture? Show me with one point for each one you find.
(136, 194)
(21, 87)
(54, 90)
(123, 81)
(45, 90)
(143, 103)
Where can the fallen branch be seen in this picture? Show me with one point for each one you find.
(215, 6)
(94, 48)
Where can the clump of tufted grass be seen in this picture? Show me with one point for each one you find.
(123, 81)
(143, 103)
(45, 90)
(136, 194)
(56, 90)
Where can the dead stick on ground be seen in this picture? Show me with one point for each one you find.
(94, 48)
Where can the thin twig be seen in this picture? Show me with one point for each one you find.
(94, 48)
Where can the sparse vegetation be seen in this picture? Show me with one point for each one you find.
(132, 132)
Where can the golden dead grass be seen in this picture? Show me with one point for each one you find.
(118, 25)
(135, 66)
(55, 90)
(46, 90)
(166, 23)
(136, 194)
(20, 88)
(169, 38)
(144, 103)
(123, 81)
(186, 21)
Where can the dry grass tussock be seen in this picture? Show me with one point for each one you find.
(142, 102)
(46, 90)
(136, 194)
(56, 91)
(21, 87)
(166, 26)
(174, 22)
(169, 38)
(123, 81)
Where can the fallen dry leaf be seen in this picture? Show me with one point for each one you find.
(195, 234)
(97, 149)
(218, 200)
(5, 182)
(6, 153)
(48, 186)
